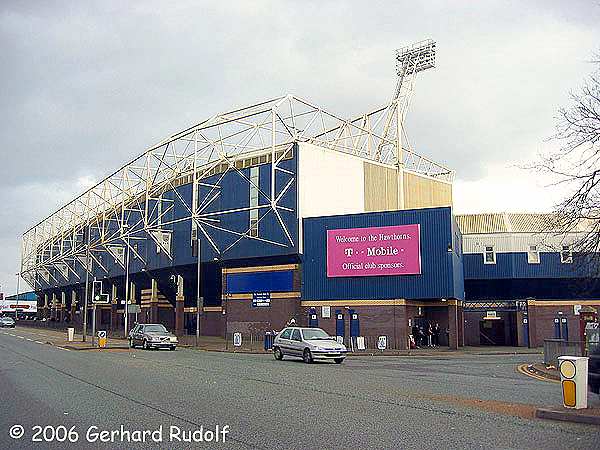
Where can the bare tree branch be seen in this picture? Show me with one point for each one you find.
(576, 166)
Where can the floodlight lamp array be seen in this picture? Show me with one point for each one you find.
(416, 57)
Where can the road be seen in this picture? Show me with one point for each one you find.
(367, 402)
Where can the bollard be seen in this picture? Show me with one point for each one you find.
(102, 339)
(70, 334)
(268, 341)
(574, 379)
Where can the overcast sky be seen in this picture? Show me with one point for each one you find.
(85, 86)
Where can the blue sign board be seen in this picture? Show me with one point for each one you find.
(261, 299)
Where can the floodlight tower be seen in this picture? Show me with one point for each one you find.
(410, 60)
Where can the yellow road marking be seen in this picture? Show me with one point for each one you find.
(523, 370)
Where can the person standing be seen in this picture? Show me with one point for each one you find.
(436, 334)
(415, 335)
(429, 335)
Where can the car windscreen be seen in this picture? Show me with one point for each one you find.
(314, 333)
(155, 329)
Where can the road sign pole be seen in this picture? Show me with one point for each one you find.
(94, 325)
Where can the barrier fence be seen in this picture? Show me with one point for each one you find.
(553, 348)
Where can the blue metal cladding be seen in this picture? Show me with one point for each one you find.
(457, 261)
(441, 258)
(539, 288)
(515, 265)
(241, 283)
(29, 296)
(233, 193)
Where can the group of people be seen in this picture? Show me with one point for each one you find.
(425, 336)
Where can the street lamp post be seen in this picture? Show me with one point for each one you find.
(87, 283)
(126, 309)
(18, 288)
(199, 298)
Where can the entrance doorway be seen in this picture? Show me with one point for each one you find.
(492, 332)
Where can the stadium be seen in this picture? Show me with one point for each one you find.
(284, 210)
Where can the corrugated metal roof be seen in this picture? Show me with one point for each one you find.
(513, 223)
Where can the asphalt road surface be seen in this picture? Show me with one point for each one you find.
(367, 402)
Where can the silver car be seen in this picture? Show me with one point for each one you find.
(7, 322)
(152, 335)
(310, 344)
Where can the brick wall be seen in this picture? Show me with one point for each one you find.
(243, 317)
(541, 319)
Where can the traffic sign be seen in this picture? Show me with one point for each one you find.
(133, 309)
(237, 339)
(261, 299)
(360, 342)
(102, 338)
(382, 342)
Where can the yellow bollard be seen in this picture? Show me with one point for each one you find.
(102, 339)
(573, 379)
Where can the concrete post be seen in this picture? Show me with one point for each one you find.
(73, 305)
(53, 307)
(63, 305)
(179, 307)
(45, 314)
(114, 325)
(461, 325)
(452, 325)
(154, 302)
(132, 301)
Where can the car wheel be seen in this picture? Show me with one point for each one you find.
(307, 357)
(172, 348)
(277, 353)
(146, 346)
(339, 360)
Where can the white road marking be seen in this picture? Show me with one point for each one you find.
(39, 342)
(20, 337)
(65, 349)
(31, 340)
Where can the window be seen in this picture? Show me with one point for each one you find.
(254, 182)
(489, 256)
(285, 334)
(296, 335)
(314, 333)
(566, 255)
(533, 255)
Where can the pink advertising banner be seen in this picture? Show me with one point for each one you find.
(375, 251)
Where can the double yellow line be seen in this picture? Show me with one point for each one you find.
(523, 369)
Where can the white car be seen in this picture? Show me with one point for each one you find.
(310, 344)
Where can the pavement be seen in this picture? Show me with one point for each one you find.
(453, 401)
(212, 343)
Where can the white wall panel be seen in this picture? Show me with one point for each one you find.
(329, 183)
(515, 242)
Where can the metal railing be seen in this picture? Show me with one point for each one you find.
(553, 348)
